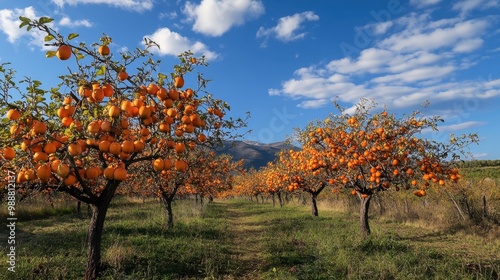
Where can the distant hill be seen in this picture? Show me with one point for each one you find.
(253, 153)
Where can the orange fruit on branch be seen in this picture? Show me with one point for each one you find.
(158, 164)
(74, 149)
(49, 148)
(63, 170)
(40, 156)
(63, 52)
(128, 146)
(115, 148)
(9, 153)
(39, 127)
(179, 82)
(13, 114)
(103, 50)
(122, 75)
(152, 89)
(43, 172)
(107, 90)
(109, 172)
(114, 111)
(70, 180)
(92, 172)
(120, 174)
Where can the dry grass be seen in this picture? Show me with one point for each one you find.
(118, 253)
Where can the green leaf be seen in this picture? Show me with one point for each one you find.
(24, 21)
(45, 20)
(48, 38)
(50, 54)
(80, 56)
(72, 36)
(101, 71)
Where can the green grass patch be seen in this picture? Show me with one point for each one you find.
(237, 239)
(136, 244)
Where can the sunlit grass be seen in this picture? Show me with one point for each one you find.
(238, 239)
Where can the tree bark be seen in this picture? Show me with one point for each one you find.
(314, 206)
(363, 215)
(485, 207)
(167, 201)
(280, 200)
(98, 215)
(456, 206)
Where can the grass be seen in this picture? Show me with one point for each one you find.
(136, 244)
(237, 239)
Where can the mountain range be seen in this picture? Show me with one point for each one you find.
(254, 154)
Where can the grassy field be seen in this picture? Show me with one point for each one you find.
(236, 239)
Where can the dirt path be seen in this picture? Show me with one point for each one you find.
(245, 232)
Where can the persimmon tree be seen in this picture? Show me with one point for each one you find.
(305, 172)
(276, 178)
(212, 174)
(368, 152)
(109, 112)
(250, 183)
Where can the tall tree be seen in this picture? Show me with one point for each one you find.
(83, 135)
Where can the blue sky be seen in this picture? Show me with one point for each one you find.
(286, 60)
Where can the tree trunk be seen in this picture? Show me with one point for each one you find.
(94, 239)
(363, 215)
(456, 206)
(280, 200)
(89, 211)
(167, 201)
(314, 206)
(380, 205)
(485, 208)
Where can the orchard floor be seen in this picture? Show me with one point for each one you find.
(237, 239)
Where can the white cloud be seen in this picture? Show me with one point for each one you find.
(66, 21)
(9, 22)
(132, 5)
(480, 155)
(169, 15)
(424, 3)
(311, 104)
(460, 126)
(465, 6)
(468, 45)
(172, 43)
(287, 27)
(379, 28)
(421, 38)
(414, 60)
(417, 74)
(216, 17)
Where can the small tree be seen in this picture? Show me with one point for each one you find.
(368, 153)
(305, 171)
(276, 178)
(212, 175)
